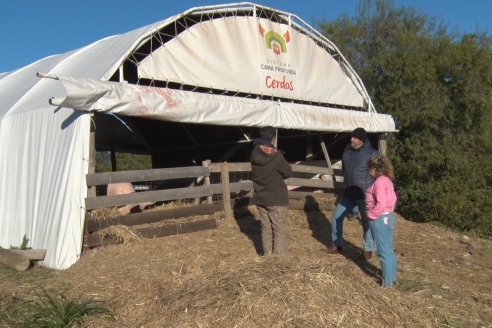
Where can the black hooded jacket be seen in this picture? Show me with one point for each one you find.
(270, 168)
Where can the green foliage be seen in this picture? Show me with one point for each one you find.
(438, 87)
(124, 162)
(23, 245)
(51, 311)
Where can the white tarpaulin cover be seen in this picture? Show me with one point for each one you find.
(44, 150)
(192, 107)
(252, 55)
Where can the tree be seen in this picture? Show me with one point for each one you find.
(438, 86)
(124, 162)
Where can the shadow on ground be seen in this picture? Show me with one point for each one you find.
(320, 227)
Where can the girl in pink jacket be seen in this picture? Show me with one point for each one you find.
(380, 207)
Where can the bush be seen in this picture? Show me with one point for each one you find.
(438, 87)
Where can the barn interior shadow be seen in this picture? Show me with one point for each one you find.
(320, 226)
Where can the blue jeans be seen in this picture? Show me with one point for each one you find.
(382, 230)
(347, 205)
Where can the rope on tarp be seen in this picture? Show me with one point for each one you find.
(52, 101)
(47, 76)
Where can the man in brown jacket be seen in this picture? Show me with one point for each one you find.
(270, 168)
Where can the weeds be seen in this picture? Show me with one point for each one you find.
(48, 310)
(412, 286)
(446, 322)
(23, 245)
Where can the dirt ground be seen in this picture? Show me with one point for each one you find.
(216, 278)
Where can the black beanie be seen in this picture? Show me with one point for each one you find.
(267, 133)
(360, 134)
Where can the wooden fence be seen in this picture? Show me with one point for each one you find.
(217, 183)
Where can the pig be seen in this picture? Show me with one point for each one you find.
(123, 188)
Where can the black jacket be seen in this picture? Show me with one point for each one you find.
(355, 172)
(270, 168)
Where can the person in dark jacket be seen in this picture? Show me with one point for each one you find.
(356, 181)
(270, 168)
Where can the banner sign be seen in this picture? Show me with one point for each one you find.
(252, 55)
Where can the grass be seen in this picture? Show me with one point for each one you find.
(446, 322)
(50, 310)
(32, 276)
(415, 286)
(412, 286)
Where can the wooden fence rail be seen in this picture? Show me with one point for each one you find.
(98, 179)
(240, 191)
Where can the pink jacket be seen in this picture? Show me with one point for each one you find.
(380, 197)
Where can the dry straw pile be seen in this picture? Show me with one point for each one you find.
(216, 278)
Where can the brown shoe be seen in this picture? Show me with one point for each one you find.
(333, 250)
(367, 255)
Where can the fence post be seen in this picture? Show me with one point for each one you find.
(327, 158)
(226, 193)
(382, 144)
(207, 178)
(325, 152)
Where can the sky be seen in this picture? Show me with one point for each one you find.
(33, 29)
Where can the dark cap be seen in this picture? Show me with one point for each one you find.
(360, 134)
(267, 133)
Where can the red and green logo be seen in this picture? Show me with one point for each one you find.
(275, 41)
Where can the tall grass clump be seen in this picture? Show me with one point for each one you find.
(49, 310)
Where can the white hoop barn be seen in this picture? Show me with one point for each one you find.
(237, 66)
